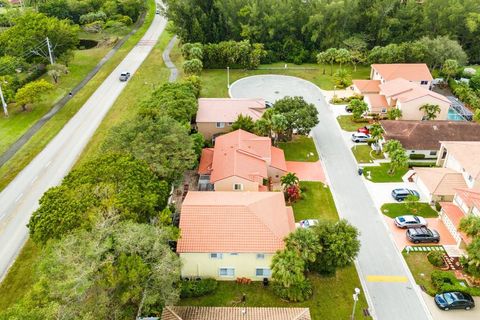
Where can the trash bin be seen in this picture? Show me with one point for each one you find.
(360, 171)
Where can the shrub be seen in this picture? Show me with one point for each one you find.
(126, 20)
(94, 27)
(445, 281)
(198, 288)
(416, 156)
(438, 206)
(92, 17)
(297, 292)
(436, 258)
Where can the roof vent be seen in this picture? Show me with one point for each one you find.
(435, 128)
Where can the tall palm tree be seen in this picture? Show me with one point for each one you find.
(290, 179)
(431, 111)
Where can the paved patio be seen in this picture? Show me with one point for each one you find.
(433, 223)
(307, 171)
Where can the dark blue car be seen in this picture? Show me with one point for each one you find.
(454, 300)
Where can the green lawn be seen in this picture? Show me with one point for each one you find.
(36, 144)
(332, 296)
(421, 269)
(380, 173)
(346, 123)
(19, 121)
(300, 149)
(316, 203)
(20, 277)
(399, 209)
(217, 78)
(365, 154)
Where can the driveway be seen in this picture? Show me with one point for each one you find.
(20, 198)
(307, 171)
(390, 288)
(438, 314)
(382, 192)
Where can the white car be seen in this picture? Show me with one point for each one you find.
(360, 137)
(410, 221)
(306, 223)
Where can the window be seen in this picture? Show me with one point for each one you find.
(216, 255)
(234, 254)
(220, 125)
(384, 110)
(262, 272)
(424, 82)
(238, 187)
(433, 153)
(230, 124)
(226, 272)
(260, 256)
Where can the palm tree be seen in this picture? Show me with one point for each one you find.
(279, 124)
(322, 59)
(330, 56)
(398, 159)
(305, 243)
(450, 67)
(394, 114)
(287, 268)
(430, 110)
(342, 56)
(288, 180)
(392, 145)
(376, 132)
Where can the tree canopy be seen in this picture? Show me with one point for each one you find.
(300, 116)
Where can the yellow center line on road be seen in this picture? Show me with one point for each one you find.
(378, 278)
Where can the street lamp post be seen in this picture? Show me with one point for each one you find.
(334, 88)
(355, 299)
(228, 77)
(4, 104)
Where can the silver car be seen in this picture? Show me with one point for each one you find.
(410, 221)
(306, 223)
(360, 137)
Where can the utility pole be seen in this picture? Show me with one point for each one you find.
(50, 51)
(4, 104)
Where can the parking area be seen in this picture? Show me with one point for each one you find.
(433, 223)
(382, 192)
(438, 314)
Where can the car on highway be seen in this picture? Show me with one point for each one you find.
(400, 194)
(360, 137)
(306, 223)
(124, 76)
(365, 129)
(454, 300)
(410, 221)
(423, 234)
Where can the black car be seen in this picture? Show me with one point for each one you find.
(417, 235)
(401, 193)
(454, 300)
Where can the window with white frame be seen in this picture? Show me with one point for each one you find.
(263, 272)
(424, 82)
(433, 153)
(237, 186)
(220, 124)
(260, 256)
(216, 255)
(226, 272)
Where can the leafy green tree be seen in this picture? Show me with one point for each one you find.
(279, 126)
(394, 114)
(441, 49)
(398, 159)
(471, 264)
(322, 59)
(330, 57)
(450, 68)
(300, 115)
(10, 63)
(193, 66)
(391, 145)
(339, 243)
(162, 142)
(244, 122)
(342, 56)
(474, 82)
(470, 225)
(430, 111)
(31, 92)
(263, 127)
(412, 203)
(305, 243)
(342, 78)
(122, 184)
(376, 133)
(56, 70)
(359, 107)
(288, 277)
(290, 179)
(198, 143)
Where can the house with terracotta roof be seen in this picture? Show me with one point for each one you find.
(417, 73)
(460, 170)
(241, 161)
(233, 313)
(364, 87)
(424, 138)
(216, 115)
(226, 235)
(465, 202)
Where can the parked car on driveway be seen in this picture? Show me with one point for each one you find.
(410, 221)
(348, 108)
(306, 223)
(418, 235)
(360, 137)
(365, 129)
(124, 76)
(454, 300)
(401, 193)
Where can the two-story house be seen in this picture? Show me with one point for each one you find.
(241, 161)
(417, 73)
(216, 115)
(460, 170)
(226, 235)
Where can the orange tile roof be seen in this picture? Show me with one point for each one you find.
(243, 154)
(234, 313)
(408, 71)
(470, 197)
(228, 109)
(367, 86)
(405, 91)
(467, 153)
(206, 159)
(377, 102)
(455, 214)
(227, 221)
(441, 181)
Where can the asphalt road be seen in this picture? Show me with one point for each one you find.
(391, 290)
(20, 198)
